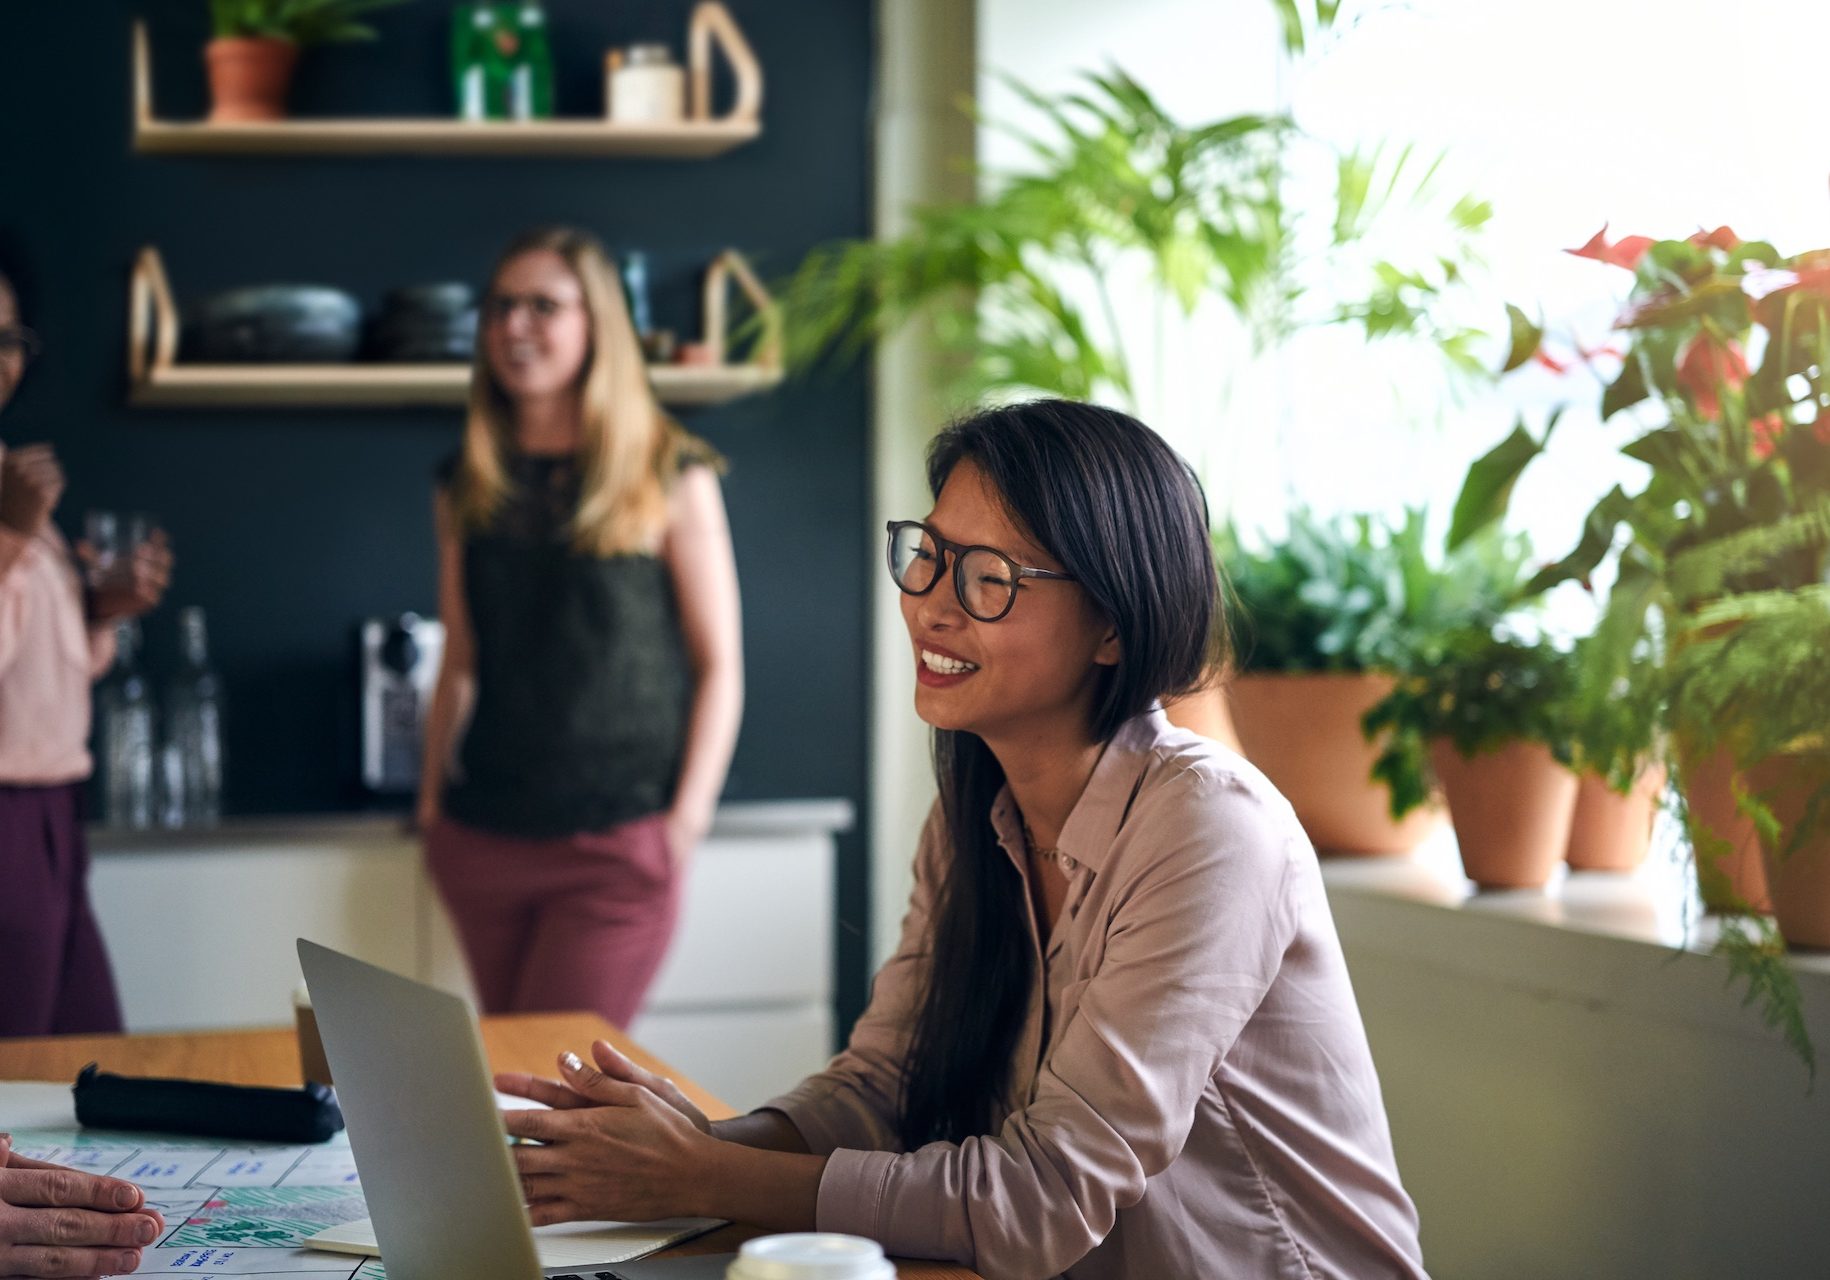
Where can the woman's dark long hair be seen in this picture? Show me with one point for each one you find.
(1122, 513)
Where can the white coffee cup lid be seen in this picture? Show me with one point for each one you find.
(811, 1255)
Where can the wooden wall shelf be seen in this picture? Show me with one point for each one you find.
(700, 136)
(157, 380)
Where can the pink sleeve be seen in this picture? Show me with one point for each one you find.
(13, 549)
(1189, 955)
(854, 1101)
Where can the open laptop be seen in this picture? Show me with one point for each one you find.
(443, 1196)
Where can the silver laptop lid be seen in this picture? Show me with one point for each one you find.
(408, 1060)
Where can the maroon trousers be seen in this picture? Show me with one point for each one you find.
(54, 973)
(580, 922)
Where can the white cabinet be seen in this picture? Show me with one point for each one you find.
(201, 925)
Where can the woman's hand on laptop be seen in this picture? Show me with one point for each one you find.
(611, 1064)
(65, 1224)
(614, 1149)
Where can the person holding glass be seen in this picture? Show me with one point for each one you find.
(56, 638)
(1118, 1038)
(588, 698)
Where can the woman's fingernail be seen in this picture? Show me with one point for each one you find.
(572, 1062)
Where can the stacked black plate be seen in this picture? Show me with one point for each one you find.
(276, 324)
(425, 324)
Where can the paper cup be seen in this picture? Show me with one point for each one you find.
(811, 1256)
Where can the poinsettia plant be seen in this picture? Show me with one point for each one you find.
(1722, 352)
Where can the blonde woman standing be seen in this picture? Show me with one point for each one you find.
(591, 686)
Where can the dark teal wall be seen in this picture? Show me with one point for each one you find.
(290, 526)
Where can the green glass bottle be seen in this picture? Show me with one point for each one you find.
(466, 63)
(530, 95)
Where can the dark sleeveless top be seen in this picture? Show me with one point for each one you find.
(582, 681)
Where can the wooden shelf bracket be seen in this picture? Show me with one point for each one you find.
(712, 24)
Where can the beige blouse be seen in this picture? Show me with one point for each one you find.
(1193, 1093)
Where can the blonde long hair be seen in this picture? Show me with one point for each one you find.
(630, 450)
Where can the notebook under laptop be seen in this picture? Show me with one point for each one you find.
(443, 1196)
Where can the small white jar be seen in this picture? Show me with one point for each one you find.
(810, 1255)
(644, 85)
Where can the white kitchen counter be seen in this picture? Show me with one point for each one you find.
(200, 924)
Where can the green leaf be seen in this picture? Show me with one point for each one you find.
(1526, 337)
(1487, 489)
(1628, 389)
(1598, 533)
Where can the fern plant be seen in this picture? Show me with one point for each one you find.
(303, 22)
(1360, 593)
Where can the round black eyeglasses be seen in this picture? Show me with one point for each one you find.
(984, 578)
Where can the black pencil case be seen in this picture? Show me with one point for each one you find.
(204, 1109)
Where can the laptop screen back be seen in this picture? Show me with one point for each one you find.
(441, 1187)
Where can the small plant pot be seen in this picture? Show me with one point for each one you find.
(1730, 879)
(1798, 878)
(1609, 831)
(249, 78)
(1303, 731)
(1206, 712)
(1511, 808)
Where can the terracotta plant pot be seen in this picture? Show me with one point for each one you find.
(1303, 731)
(1206, 712)
(1734, 880)
(249, 78)
(1612, 832)
(1799, 881)
(1511, 808)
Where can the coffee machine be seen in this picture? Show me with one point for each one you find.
(399, 659)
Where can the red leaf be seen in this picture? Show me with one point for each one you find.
(1625, 252)
(1722, 238)
(1549, 361)
(1707, 366)
(1767, 432)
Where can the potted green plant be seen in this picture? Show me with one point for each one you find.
(1330, 615)
(257, 43)
(1618, 749)
(1489, 715)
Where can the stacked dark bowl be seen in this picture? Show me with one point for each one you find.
(311, 324)
(276, 324)
(425, 324)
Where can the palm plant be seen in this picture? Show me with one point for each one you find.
(1018, 287)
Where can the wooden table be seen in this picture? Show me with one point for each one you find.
(518, 1042)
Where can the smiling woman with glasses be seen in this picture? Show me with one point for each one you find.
(1118, 1038)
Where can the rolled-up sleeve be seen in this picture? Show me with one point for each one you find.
(1194, 943)
(854, 1102)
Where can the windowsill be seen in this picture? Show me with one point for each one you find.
(1655, 905)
